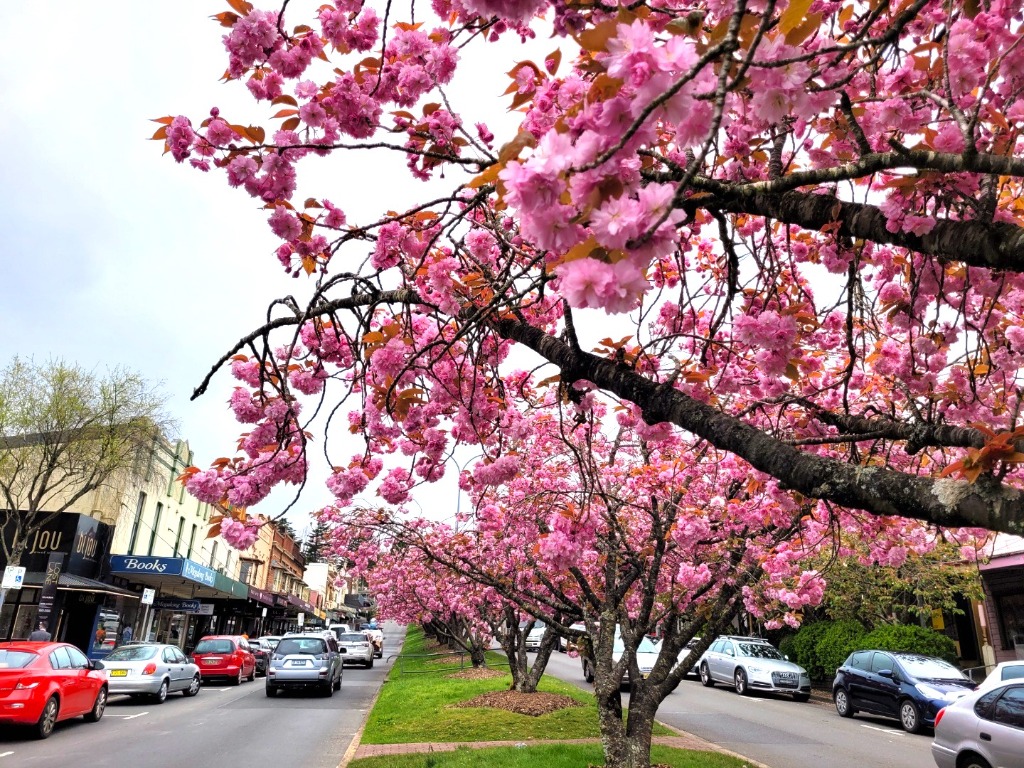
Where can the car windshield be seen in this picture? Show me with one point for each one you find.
(214, 646)
(16, 659)
(646, 646)
(132, 653)
(308, 645)
(353, 637)
(930, 669)
(759, 651)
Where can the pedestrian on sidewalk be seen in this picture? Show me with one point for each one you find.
(40, 634)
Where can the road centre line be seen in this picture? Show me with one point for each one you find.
(140, 714)
(890, 731)
(6, 754)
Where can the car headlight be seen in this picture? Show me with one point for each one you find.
(934, 693)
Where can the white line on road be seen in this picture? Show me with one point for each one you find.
(6, 754)
(890, 731)
(132, 717)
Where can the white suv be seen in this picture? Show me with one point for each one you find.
(358, 648)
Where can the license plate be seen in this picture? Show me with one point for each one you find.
(211, 661)
(297, 664)
(119, 673)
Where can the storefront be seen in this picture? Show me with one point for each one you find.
(83, 609)
(257, 618)
(192, 600)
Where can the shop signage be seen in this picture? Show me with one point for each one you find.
(183, 606)
(260, 596)
(49, 592)
(83, 540)
(163, 566)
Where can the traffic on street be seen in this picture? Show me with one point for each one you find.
(225, 722)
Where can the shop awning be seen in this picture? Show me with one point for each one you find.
(68, 582)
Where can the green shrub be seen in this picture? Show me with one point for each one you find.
(909, 639)
(838, 641)
(801, 647)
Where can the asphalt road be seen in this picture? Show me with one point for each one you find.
(223, 725)
(777, 731)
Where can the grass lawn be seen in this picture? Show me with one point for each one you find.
(414, 706)
(546, 755)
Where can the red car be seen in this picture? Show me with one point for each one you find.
(43, 683)
(225, 656)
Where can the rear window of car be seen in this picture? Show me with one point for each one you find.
(1013, 672)
(353, 637)
(312, 645)
(214, 646)
(16, 659)
(132, 653)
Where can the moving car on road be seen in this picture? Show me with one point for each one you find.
(261, 653)
(151, 669)
(225, 656)
(907, 686)
(306, 661)
(752, 663)
(358, 649)
(984, 729)
(44, 683)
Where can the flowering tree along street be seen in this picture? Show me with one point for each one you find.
(800, 220)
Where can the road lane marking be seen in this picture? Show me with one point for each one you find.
(132, 717)
(6, 754)
(890, 731)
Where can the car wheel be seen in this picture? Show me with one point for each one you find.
(705, 676)
(588, 673)
(271, 691)
(252, 675)
(237, 680)
(910, 718)
(842, 702)
(193, 687)
(740, 680)
(801, 697)
(369, 664)
(48, 719)
(328, 689)
(337, 683)
(98, 708)
(972, 761)
(161, 696)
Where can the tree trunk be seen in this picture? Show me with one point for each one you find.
(477, 653)
(626, 744)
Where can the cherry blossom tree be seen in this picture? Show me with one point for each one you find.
(776, 240)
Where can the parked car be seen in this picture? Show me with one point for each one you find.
(907, 686)
(261, 653)
(44, 683)
(752, 663)
(984, 729)
(646, 656)
(1003, 672)
(687, 658)
(571, 644)
(358, 648)
(151, 669)
(306, 661)
(225, 656)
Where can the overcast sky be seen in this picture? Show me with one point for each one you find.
(113, 254)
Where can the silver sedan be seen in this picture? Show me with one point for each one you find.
(151, 669)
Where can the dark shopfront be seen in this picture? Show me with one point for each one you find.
(74, 548)
(284, 617)
(192, 600)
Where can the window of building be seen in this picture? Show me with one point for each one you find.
(181, 530)
(1011, 616)
(247, 572)
(213, 555)
(192, 540)
(156, 527)
(136, 523)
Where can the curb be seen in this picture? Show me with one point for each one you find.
(358, 737)
(711, 747)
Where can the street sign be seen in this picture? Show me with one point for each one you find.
(147, 596)
(302, 619)
(14, 576)
(264, 613)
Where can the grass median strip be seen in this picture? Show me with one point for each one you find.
(417, 702)
(546, 755)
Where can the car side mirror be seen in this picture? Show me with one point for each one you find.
(95, 664)
(886, 673)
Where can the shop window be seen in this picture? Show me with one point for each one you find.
(25, 621)
(1011, 617)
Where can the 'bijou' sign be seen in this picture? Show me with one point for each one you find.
(162, 566)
